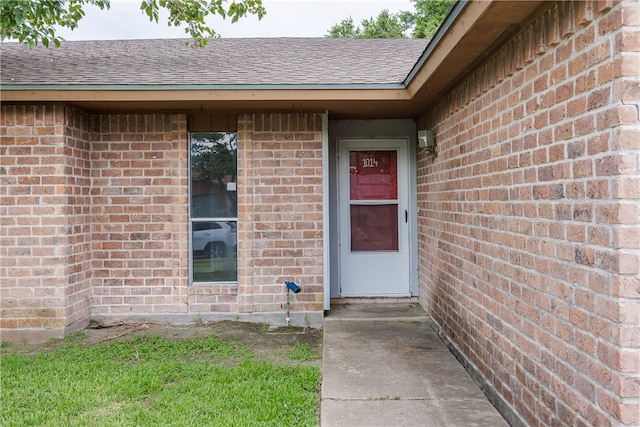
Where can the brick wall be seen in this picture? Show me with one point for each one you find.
(95, 221)
(140, 219)
(280, 212)
(77, 212)
(529, 230)
(139, 206)
(45, 259)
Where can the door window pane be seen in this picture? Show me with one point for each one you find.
(373, 175)
(374, 178)
(374, 227)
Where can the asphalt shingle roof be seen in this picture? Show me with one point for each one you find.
(250, 61)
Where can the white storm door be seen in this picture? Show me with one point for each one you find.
(373, 218)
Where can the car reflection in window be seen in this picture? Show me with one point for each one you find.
(214, 239)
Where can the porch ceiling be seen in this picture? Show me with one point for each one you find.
(466, 38)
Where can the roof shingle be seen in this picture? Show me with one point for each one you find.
(250, 61)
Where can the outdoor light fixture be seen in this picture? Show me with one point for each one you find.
(427, 140)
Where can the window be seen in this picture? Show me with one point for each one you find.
(214, 206)
(374, 202)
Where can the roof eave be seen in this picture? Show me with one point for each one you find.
(356, 101)
(53, 93)
(470, 32)
(192, 87)
(436, 39)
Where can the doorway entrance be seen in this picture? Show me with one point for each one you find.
(373, 217)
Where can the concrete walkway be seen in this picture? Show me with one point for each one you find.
(383, 365)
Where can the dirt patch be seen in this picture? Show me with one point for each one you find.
(266, 344)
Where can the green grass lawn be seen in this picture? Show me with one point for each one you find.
(153, 381)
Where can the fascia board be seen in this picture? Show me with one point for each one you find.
(126, 94)
(71, 87)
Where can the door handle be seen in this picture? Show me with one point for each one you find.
(406, 216)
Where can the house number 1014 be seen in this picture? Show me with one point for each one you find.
(369, 162)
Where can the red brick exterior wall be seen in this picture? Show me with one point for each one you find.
(529, 237)
(139, 166)
(280, 211)
(45, 235)
(77, 211)
(95, 221)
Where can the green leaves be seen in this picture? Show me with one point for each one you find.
(423, 23)
(430, 14)
(35, 21)
(213, 156)
(385, 26)
(193, 14)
